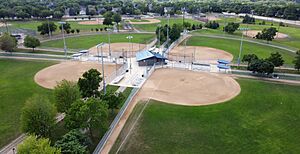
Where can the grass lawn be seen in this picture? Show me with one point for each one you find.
(86, 42)
(164, 21)
(264, 118)
(16, 86)
(233, 47)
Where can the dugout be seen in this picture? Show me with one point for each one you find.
(149, 58)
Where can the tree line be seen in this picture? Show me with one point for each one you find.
(57, 8)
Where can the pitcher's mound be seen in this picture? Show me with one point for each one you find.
(189, 88)
(253, 33)
(70, 71)
(210, 55)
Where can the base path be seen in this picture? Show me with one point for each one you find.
(180, 87)
(253, 33)
(186, 53)
(71, 70)
(149, 21)
(117, 48)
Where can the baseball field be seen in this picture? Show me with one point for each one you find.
(262, 118)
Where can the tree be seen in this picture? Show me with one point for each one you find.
(89, 83)
(107, 21)
(248, 20)
(117, 19)
(73, 142)
(65, 94)
(175, 32)
(276, 59)
(67, 27)
(90, 114)
(38, 116)
(7, 43)
(297, 61)
(113, 100)
(249, 58)
(44, 28)
(58, 14)
(261, 66)
(34, 145)
(186, 25)
(77, 30)
(231, 27)
(267, 34)
(31, 42)
(212, 25)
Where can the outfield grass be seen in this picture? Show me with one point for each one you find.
(32, 25)
(86, 42)
(164, 21)
(264, 118)
(16, 86)
(139, 20)
(291, 31)
(233, 47)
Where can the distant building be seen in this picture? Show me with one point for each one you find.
(149, 58)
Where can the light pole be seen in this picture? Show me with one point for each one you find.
(102, 63)
(63, 34)
(130, 42)
(49, 31)
(241, 49)
(109, 30)
(159, 28)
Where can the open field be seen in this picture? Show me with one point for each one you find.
(164, 21)
(262, 119)
(16, 86)
(86, 42)
(71, 71)
(233, 47)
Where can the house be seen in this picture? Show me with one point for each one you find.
(149, 58)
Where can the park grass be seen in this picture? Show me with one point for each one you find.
(86, 42)
(164, 21)
(16, 86)
(233, 47)
(264, 118)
